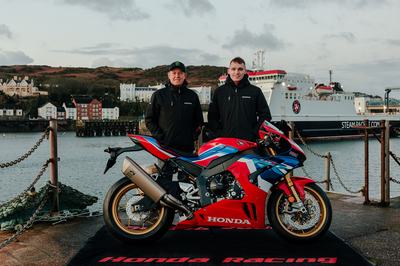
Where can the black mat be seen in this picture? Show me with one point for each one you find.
(225, 247)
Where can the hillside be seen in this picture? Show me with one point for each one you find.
(101, 83)
(197, 75)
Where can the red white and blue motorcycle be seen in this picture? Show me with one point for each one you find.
(229, 183)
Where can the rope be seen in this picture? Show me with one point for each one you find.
(27, 225)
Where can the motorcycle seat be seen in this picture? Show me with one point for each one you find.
(181, 153)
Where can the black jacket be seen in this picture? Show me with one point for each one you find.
(174, 116)
(238, 111)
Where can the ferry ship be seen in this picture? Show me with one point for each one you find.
(319, 112)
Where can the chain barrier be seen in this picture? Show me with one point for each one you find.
(33, 183)
(46, 133)
(397, 159)
(27, 225)
(333, 166)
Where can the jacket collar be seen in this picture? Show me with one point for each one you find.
(241, 84)
(174, 88)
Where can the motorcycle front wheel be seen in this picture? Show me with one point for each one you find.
(298, 227)
(130, 226)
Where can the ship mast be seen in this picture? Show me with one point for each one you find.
(259, 66)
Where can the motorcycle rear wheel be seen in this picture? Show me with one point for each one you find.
(132, 227)
(297, 227)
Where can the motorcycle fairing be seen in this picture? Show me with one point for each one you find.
(273, 167)
(298, 182)
(247, 212)
(152, 145)
(214, 152)
(239, 144)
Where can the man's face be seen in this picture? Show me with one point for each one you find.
(177, 76)
(237, 71)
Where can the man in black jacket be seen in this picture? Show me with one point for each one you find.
(174, 116)
(238, 108)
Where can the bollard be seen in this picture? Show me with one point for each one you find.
(54, 167)
(327, 171)
(362, 190)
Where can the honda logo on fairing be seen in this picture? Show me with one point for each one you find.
(227, 220)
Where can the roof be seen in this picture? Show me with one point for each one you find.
(60, 109)
(83, 101)
(10, 106)
(70, 105)
(46, 104)
(109, 106)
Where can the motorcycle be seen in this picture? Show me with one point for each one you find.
(229, 183)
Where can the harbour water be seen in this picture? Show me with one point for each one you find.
(82, 163)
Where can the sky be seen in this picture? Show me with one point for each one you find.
(359, 40)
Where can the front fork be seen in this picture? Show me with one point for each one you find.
(297, 203)
(294, 199)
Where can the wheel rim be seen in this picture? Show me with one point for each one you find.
(303, 225)
(134, 224)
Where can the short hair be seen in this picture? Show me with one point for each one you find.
(238, 60)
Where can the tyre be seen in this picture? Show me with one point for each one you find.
(298, 227)
(134, 227)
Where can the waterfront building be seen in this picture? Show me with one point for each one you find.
(20, 87)
(47, 111)
(110, 112)
(129, 92)
(60, 113)
(10, 111)
(88, 109)
(70, 111)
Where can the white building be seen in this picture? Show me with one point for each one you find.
(11, 111)
(21, 87)
(204, 94)
(70, 111)
(110, 112)
(129, 92)
(48, 111)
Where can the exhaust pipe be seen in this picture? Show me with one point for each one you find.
(155, 192)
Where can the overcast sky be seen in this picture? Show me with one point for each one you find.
(358, 39)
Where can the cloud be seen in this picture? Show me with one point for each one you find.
(5, 31)
(8, 58)
(119, 9)
(393, 42)
(245, 38)
(307, 4)
(193, 7)
(348, 36)
(370, 76)
(152, 56)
